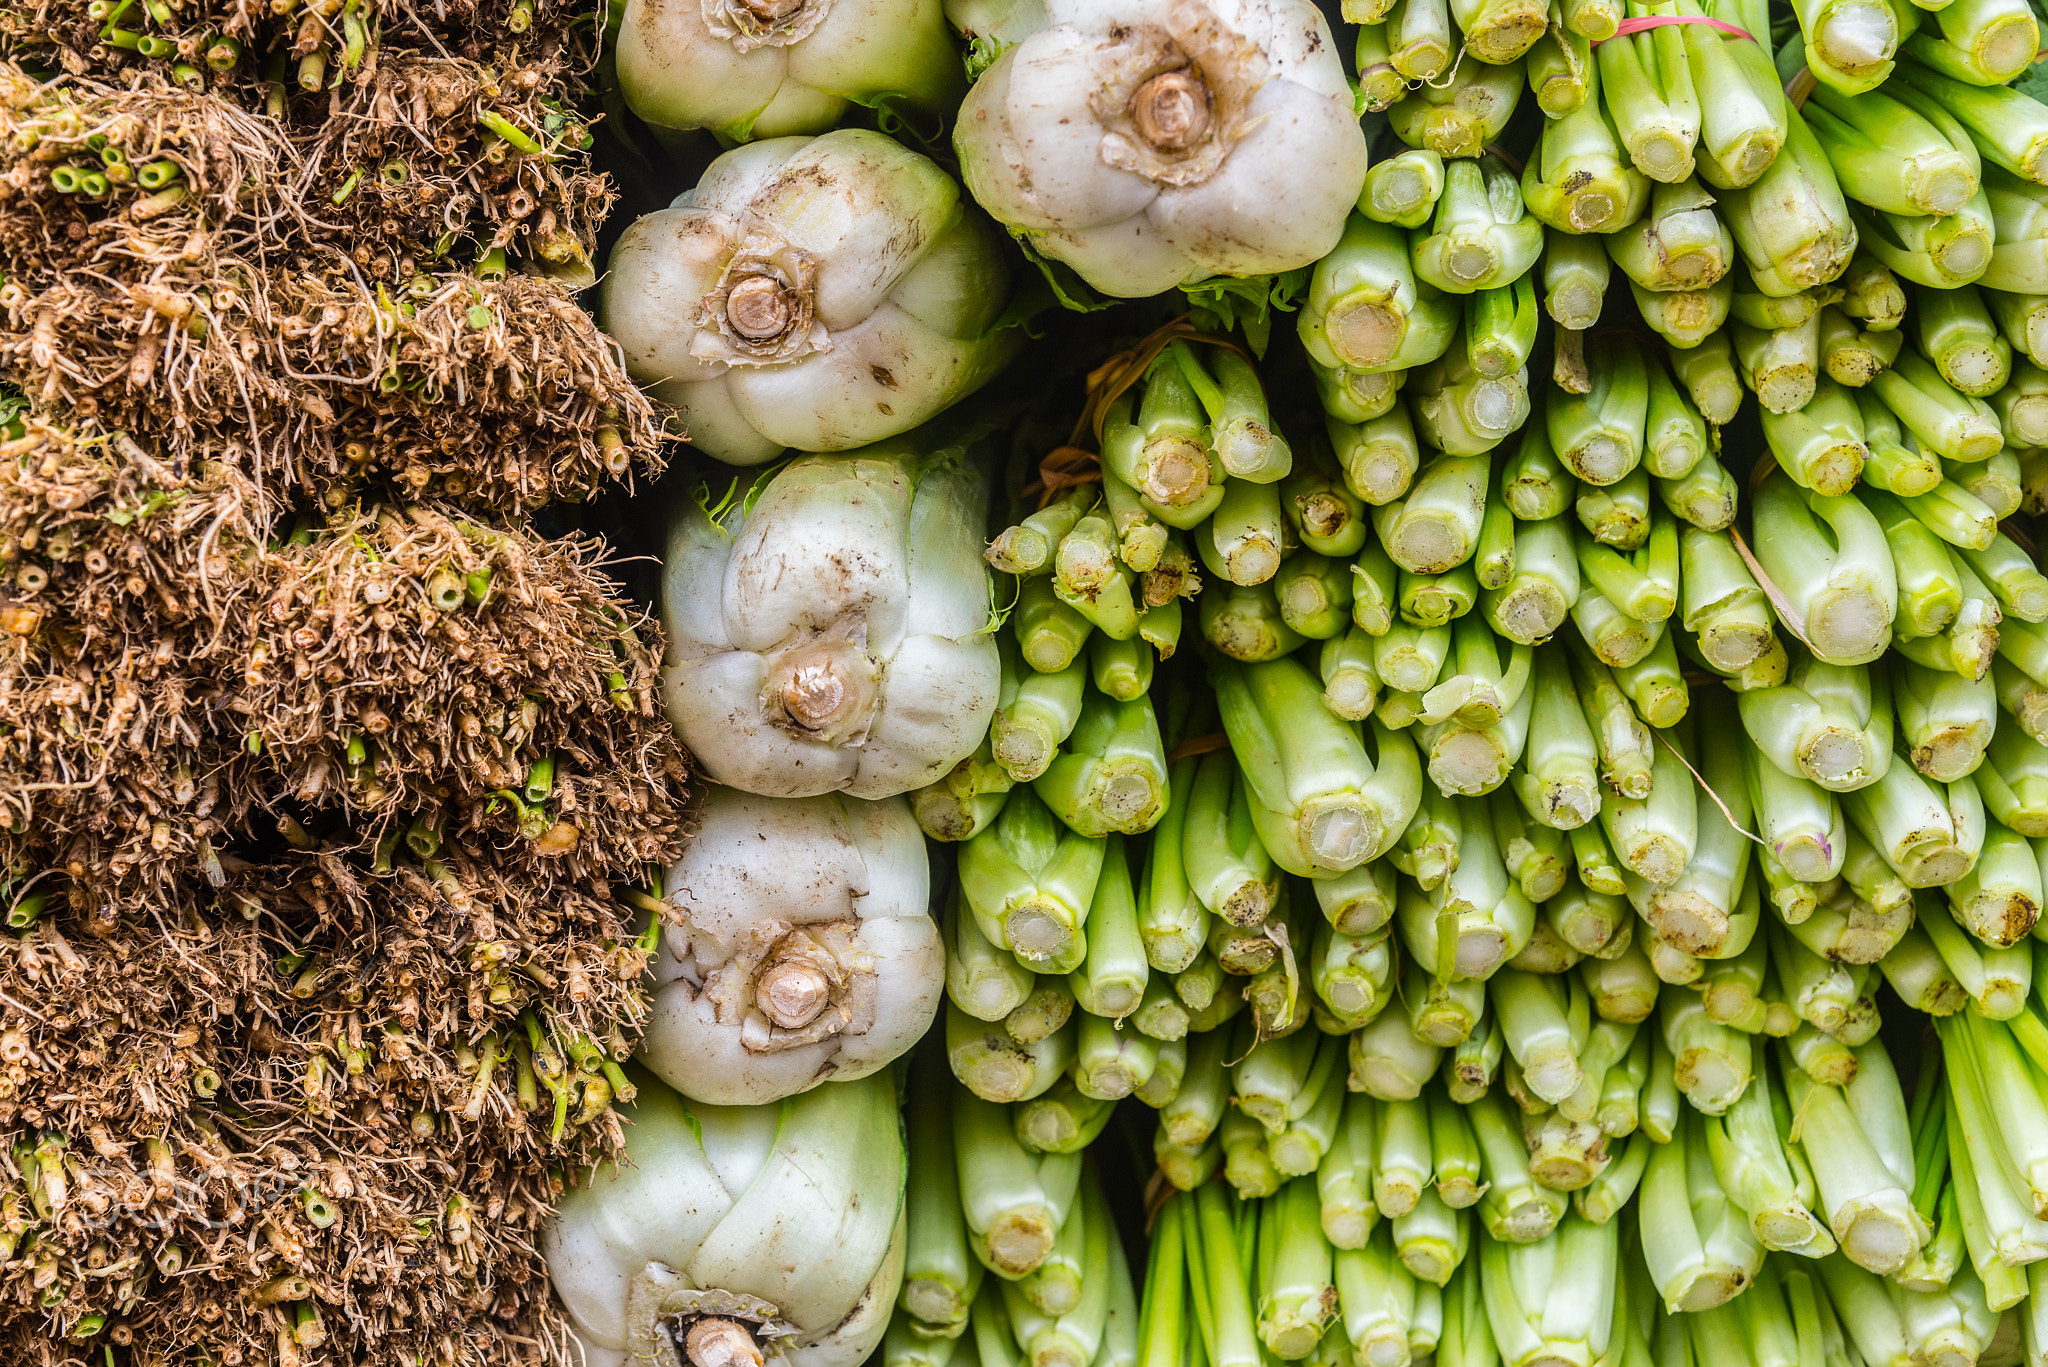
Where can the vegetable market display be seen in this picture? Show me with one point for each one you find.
(1342, 716)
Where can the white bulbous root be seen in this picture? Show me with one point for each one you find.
(818, 293)
(749, 69)
(806, 954)
(1159, 146)
(736, 1236)
(829, 634)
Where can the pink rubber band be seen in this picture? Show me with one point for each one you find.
(1649, 21)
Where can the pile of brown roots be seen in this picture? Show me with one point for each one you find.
(331, 796)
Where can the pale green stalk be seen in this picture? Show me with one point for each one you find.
(1850, 356)
(1856, 1140)
(1042, 1013)
(1999, 482)
(1029, 882)
(2014, 781)
(1470, 1068)
(1544, 584)
(1617, 637)
(1325, 515)
(1743, 113)
(1896, 462)
(1379, 455)
(1595, 863)
(1358, 902)
(1318, 799)
(1388, 1061)
(1889, 155)
(1720, 601)
(1245, 623)
(1929, 833)
(1647, 83)
(1706, 496)
(1314, 595)
(1014, 1201)
(1829, 724)
(1996, 980)
(1379, 1298)
(1599, 436)
(1111, 776)
(1617, 514)
(1162, 450)
(1792, 223)
(1050, 635)
(1945, 719)
(1685, 319)
(1027, 547)
(1675, 438)
(1515, 1208)
(1712, 1063)
(1679, 244)
(1978, 42)
(940, 1272)
(1351, 686)
(1461, 115)
(1575, 273)
(1696, 1242)
(1921, 977)
(1344, 1180)
(1367, 311)
(1829, 558)
(1655, 837)
(1707, 371)
(1228, 869)
(1403, 189)
(1781, 366)
(1172, 921)
(981, 979)
(1112, 977)
(1140, 537)
(1939, 253)
(1434, 600)
(1580, 179)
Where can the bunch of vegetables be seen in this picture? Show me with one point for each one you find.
(1481, 794)
(1478, 809)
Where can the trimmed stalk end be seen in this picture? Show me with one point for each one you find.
(1690, 921)
(1176, 471)
(793, 994)
(715, 1341)
(1468, 763)
(1019, 1241)
(1877, 1241)
(1364, 330)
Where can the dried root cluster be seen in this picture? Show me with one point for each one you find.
(346, 309)
(323, 839)
(268, 48)
(203, 1170)
(328, 790)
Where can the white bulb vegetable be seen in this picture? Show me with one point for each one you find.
(808, 954)
(1154, 143)
(817, 293)
(828, 632)
(751, 69)
(737, 1234)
